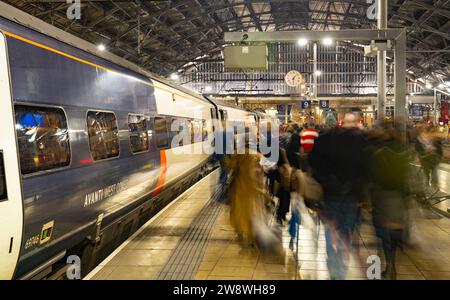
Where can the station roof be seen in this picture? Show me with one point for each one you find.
(163, 36)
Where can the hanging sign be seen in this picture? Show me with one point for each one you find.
(324, 104)
(306, 104)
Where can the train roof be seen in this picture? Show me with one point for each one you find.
(17, 16)
(225, 104)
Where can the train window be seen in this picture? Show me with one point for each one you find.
(196, 135)
(190, 128)
(204, 130)
(162, 140)
(3, 193)
(42, 137)
(103, 135)
(137, 126)
(177, 129)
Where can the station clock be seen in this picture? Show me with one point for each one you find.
(293, 78)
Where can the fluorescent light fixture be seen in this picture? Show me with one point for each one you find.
(318, 73)
(302, 42)
(208, 88)
(174, 76)
(327, 41)
(101, 47)
(410, 72)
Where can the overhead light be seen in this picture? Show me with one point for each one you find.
(174, 76)
(302, 42)
(410, 72)
(208, 88)
(428, 86)
(318, 73)
(101, 47)
(327, 41)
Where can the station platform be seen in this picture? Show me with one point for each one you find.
(192, 239)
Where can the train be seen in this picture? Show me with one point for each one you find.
(86, 147)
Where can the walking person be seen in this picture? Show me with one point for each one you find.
(308, 136)
(388, 165)
(337, 164)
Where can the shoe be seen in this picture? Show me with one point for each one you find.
(389, 275)
(291, 244)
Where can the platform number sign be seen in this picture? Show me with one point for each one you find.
(306, 104)
(324, 104)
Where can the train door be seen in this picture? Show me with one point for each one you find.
(11, 211)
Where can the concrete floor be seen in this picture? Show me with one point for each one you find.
(177, 240)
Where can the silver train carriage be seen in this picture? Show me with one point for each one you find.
(86, 147)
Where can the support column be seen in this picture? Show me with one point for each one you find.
(435, 108)
(381, 62)
(314, 96)
(401, 115)
(286, 117)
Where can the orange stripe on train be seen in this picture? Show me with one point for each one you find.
(162, 174)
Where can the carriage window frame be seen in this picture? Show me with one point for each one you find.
(89, 137)
(157, 134)
(63, 114)
(223, 114)
(145, 121)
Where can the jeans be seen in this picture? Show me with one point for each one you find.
(342, 218)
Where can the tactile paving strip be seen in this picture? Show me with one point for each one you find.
(186, 258)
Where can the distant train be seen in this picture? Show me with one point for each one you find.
(86, 152)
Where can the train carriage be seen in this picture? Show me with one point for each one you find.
(86, 142)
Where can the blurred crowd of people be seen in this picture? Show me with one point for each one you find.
(340, 175)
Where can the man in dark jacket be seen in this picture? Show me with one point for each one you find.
(337, 163)
(293, 147)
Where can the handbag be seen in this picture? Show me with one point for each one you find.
(307, 187)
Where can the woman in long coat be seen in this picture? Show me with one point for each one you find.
(247, 194)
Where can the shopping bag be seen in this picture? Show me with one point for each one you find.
(266, 237)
